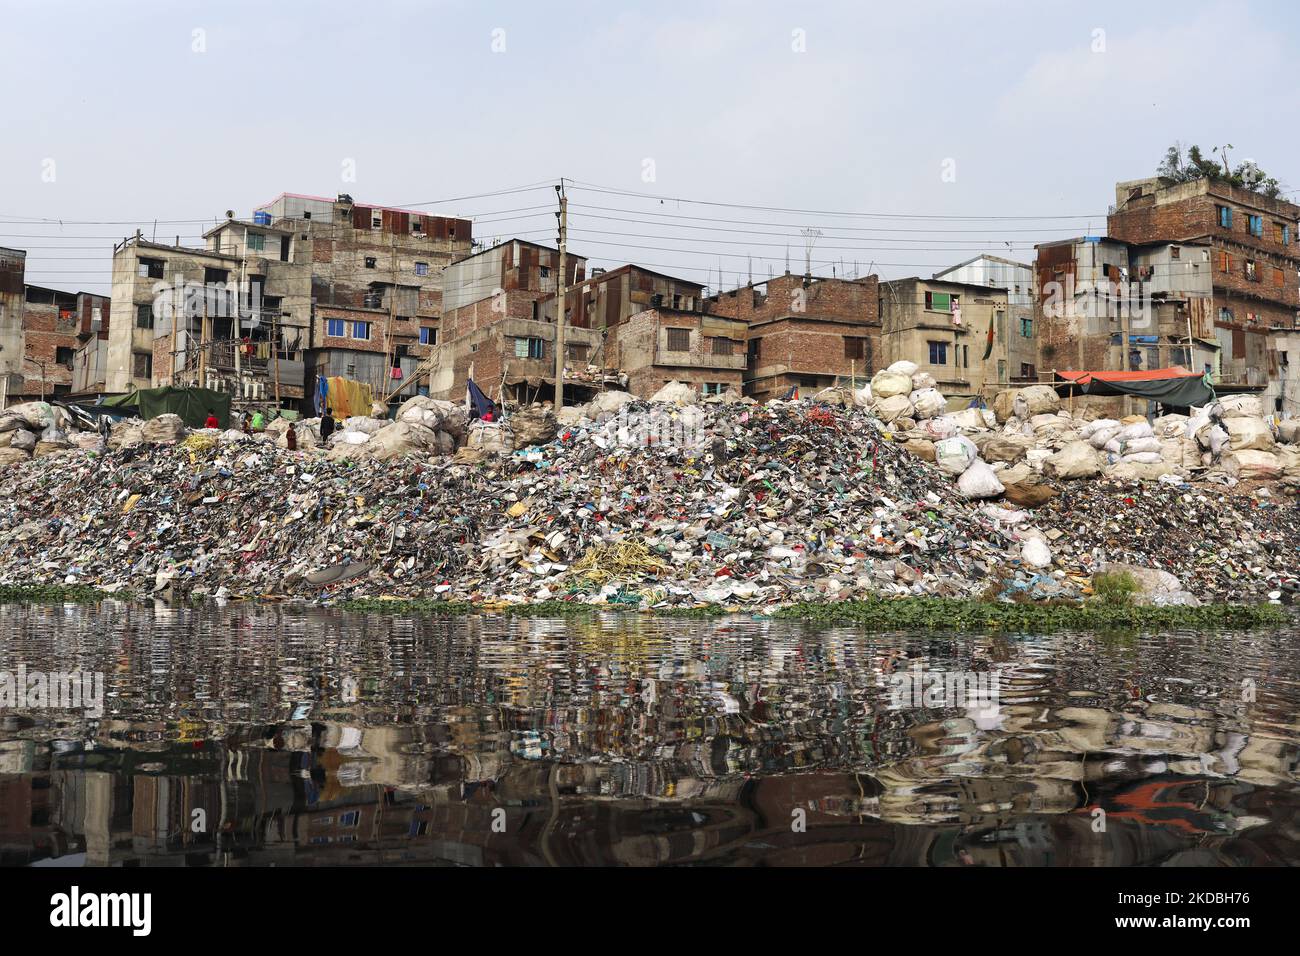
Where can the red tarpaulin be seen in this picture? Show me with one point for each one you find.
(1149, 375)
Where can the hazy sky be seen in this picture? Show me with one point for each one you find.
(181, 110)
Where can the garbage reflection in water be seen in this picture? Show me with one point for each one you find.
(250, 735)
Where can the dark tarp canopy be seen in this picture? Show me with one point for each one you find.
(191, 404)
(1168, 386)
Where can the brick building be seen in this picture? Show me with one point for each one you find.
(1254, 266)
(497, 327)
(661, 345)
(804, 333)
(42, 332)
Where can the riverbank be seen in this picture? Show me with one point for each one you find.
(890, 614)
(778, 505)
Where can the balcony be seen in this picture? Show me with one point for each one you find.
(698, 358)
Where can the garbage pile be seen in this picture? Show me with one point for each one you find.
(624, 503)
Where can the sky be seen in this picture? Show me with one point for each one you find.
(700, 138)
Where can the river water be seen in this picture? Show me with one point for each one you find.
(256, 735)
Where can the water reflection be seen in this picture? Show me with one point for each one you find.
(279, 735)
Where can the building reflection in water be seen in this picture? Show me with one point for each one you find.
(276, 735)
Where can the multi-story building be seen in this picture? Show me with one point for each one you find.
(498, 323)
(42, 333)
(944, 327)
(13, 273)
(309, 287)
(1254, 267)
(662, 344)
(1015, 354)
(805, 333)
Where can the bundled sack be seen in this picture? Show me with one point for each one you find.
(928, 403)
(1248, 433)
(1036, 400)
(903, 367)
(979, 481)
(1170, 426)
(923, 380)
(954, 455)
(1252, 463)
(887, 384)
(892, 408)
(1241, 406)
(1088, 429)
(1103, 436)
(1077, 459)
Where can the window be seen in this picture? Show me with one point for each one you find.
(256, 242)
(679, 340)
(428, 336)
(417, 225)
(855, 348)
(1175, 252)
(1028, 371)
(1225, 216)
(422, 268)
(1002, 370)
(545, 271)
(1255, 225)
(1282, 357)
(576, 351)
(285, 248)
(1251, 274)
(1026, 327)
(334, 327)
(941, 302)
(713, 388)
(376, 220)
(350, 819)
(721, 346)
(361, 330)
(151, 268)
(370, 262)
(144, 316)
(1278, 277)
(938, 353)
(1284, 234)
(1225, 314)
(530, 348)
(965, 356)
(63, 356)
(142, 365)
(306, 215)
(755, 348)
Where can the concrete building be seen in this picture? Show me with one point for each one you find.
(1108, 305)
(317, 287)
(13, 273)
(805, 333)
(944, 328)
(1254, 265)
(1016, 355)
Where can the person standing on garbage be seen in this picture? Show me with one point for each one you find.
(259, 421)
(326, 426)
(247, 423)
(291, 438)
(212, 420)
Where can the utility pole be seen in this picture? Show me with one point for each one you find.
(562, 218)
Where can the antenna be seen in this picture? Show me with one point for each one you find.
(810, 237)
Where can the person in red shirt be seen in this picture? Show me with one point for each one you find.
(212, 420)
